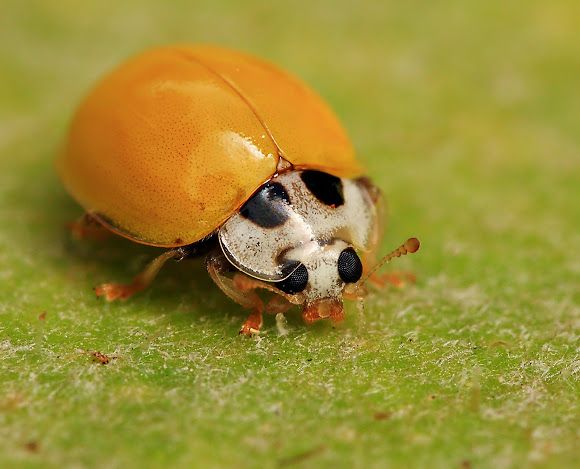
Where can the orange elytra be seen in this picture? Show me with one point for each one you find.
(170, 144)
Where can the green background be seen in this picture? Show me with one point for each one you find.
(466, 114)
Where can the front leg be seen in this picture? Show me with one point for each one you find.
(397, 279)
(241, 289)
(216, 267)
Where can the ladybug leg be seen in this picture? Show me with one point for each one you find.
(278, 304)
(119, 291)
(253, 324)
(240, 288)
(355, 292)
(246, 285)
(397, 279)
(248, 299)
(87, 227)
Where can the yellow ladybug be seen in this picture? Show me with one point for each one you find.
(212, 152)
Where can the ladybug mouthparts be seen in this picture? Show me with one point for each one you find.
(327, 308)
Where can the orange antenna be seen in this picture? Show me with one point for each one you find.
(408, 247)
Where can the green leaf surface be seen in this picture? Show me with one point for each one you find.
(466, 114)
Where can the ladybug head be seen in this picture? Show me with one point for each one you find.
(299, 232)
(320, 274)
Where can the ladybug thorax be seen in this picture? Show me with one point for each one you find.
(302, 230)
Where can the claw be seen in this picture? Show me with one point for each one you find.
(397, 279)
(115, 291)
(249, 331)
(253, 324)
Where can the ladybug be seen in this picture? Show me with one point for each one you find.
(209, 152)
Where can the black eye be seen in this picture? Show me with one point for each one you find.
(349, 266)
(296, 282)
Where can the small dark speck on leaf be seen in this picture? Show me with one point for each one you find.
(300, 457)
(32, 446)
(465, 464)
(500, 343)
(101, 358)
(309, 359)
(42, 316)
(382, 415)
(432, 397)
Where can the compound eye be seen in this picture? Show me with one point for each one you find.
(296, 282)
(349, 266)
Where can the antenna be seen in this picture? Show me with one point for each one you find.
(408, 247)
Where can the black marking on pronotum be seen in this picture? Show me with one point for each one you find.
(268, 206)
(325, 187)
(297, 281)
(349, 266)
